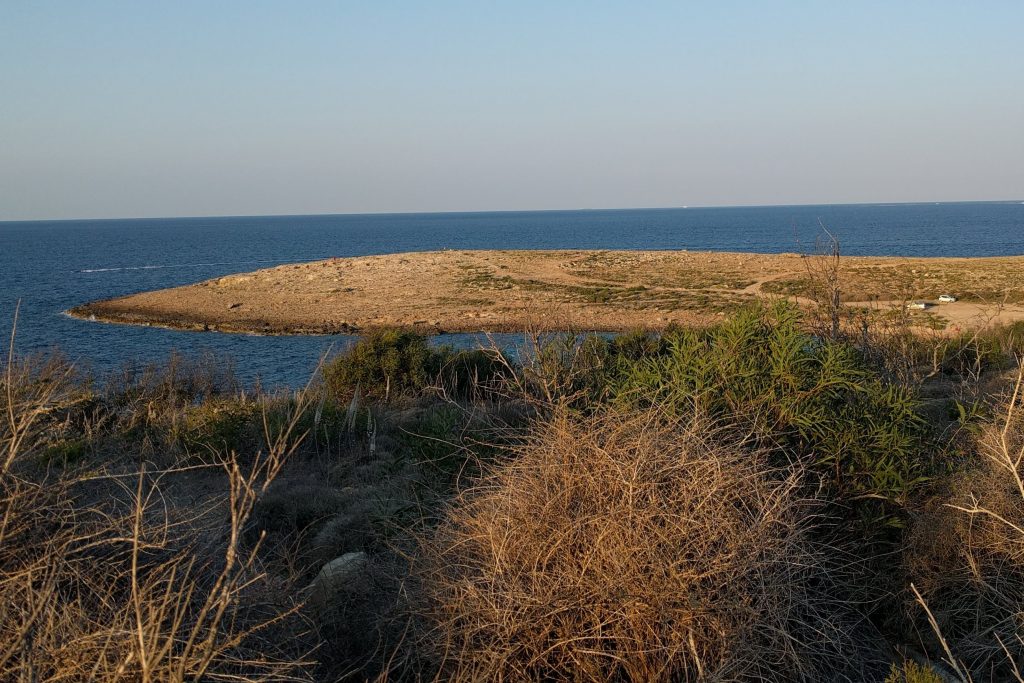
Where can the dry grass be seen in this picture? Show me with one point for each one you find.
(968, 557)
(628, 547)
(102, 579)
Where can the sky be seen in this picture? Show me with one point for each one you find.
(146, 108)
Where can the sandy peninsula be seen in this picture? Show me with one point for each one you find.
(479, 291)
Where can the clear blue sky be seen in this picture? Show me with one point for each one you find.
(149, 108)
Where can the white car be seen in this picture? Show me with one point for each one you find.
(947, 298)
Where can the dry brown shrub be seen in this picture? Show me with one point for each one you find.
(103, 579)
(629, 547)
(967, 557)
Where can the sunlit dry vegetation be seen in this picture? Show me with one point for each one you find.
(638, 546)
(789, 494)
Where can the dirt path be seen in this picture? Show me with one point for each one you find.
(469, 291)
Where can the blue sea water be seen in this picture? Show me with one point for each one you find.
(51, 266)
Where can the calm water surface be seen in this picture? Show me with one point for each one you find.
(53, 265)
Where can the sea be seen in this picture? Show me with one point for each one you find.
(47, 267)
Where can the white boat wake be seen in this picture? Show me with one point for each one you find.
(116, 269)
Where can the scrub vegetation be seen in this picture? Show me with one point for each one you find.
(790, 494)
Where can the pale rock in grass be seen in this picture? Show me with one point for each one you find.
(335, 576)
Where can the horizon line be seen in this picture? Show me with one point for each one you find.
(506, 211)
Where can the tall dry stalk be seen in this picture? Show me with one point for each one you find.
(824, 277)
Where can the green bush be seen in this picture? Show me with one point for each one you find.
(813, 397)
(388, 363)
(383, 363)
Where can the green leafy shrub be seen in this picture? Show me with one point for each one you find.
(811, 396)
(382, 364)
(387, 363)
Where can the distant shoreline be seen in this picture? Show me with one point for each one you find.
(606, 290)
(475, 212)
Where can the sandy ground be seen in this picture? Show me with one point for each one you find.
(474, 291)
